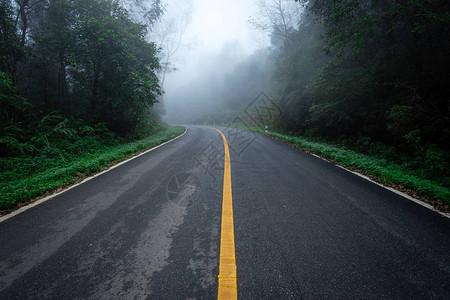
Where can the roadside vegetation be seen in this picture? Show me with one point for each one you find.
(421, 178)
(79, 80)
(367, 77)
(67, 156)
(367, 81)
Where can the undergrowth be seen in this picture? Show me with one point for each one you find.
(383, 169)
(63, 159)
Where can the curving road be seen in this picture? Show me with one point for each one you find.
(151, 228)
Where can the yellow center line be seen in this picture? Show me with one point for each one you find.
(227, 263)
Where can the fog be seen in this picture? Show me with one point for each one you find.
(217, 38)
(322, 75)
(372, 75)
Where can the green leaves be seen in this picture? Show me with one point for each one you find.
(384, 170)
(116, 65)
(87, 58)
(23, 178)
(384, 77)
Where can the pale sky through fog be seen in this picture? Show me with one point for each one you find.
(215, 22)
(216, 26)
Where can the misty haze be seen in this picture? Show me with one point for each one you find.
(201, 149)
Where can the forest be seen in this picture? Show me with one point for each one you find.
(72, 68)
(384, 76)
(78, 84)
(381, 80)
(370, 76)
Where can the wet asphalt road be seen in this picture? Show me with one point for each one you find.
(151, 229)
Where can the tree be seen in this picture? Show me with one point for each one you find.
(386, 57)
(296, 63)
(118, 65)
(11, 50)
(12, 105)
(278, 18)
(84, 58)
(147, 12)
(168, 35)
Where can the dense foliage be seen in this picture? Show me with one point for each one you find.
(387, 77)
(382, 170)
(381, 77)
(71, 64)
(368, 75)
(68, 161)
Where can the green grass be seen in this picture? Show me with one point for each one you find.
(26, 177)
(383, 170)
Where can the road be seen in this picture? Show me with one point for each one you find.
(151, 228)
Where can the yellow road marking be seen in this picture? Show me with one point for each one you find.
(227, 264)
